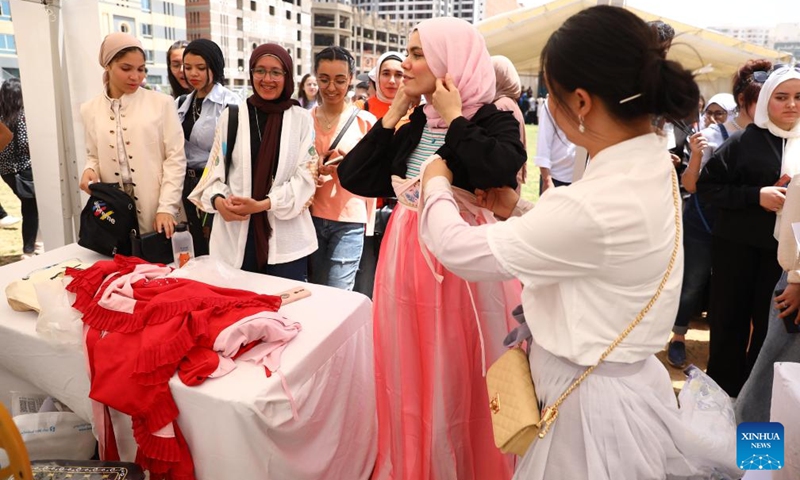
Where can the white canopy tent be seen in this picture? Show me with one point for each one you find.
(57, 43)
(58, 40)
(521, 34)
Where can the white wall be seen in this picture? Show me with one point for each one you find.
(57, 51)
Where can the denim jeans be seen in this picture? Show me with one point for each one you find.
(696, 267)
(336, 261)
(753, 403)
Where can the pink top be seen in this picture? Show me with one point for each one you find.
(332, 201)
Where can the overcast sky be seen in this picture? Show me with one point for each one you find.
(705, 13)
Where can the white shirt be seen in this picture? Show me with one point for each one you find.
(590, 256)
(198, 147)
(553, 150)
(293, 234)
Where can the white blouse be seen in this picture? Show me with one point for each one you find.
(590, 256)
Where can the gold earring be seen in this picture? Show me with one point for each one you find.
(581, 126)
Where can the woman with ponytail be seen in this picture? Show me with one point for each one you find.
(595, 257)
(204, 69)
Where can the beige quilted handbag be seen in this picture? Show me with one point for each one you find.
(513, 402)
(516, 418)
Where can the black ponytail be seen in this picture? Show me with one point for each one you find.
(612, 54)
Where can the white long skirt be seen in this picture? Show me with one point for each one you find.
(621, 423)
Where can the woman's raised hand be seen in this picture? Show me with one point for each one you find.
(446, 99)
(399, 107)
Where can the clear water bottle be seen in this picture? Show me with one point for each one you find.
(182, 245)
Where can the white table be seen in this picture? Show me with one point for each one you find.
(783, 409)
(239, 426)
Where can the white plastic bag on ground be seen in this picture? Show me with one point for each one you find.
(53, 432)
(709, 410)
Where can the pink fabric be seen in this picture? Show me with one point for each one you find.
(273, 329)
(118, 293)
(454, 46)
(433, 419)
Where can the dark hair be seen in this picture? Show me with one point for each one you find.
(10, 102)
(212, 54)
(364, 85)
(124, 52)
(336, 53)
(612, 54)
(743, 83)
(177, 88)
(664, 31)
(301, 93)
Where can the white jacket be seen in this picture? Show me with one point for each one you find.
(293, 234)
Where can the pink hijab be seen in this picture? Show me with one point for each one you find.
(454, 46)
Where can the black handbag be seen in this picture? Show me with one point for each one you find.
(24, 181)
(107, 220)
(154, 247)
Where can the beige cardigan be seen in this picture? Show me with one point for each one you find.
(788, 255)
(154, 143)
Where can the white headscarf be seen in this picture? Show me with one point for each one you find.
(725, 101)
(375, 73)
(790, 163)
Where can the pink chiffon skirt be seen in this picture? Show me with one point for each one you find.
(433, 415)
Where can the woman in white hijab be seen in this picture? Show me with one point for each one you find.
(753, 404)
(746, 179)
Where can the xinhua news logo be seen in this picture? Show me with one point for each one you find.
(759, 446)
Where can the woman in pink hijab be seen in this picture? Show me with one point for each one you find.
(435, 333)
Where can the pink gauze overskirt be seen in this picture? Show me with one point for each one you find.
(433, 414)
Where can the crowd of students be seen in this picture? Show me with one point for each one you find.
(289, 185)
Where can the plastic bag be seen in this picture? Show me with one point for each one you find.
(707, 408)
(58, 321)
(54, 431)
(209, 270)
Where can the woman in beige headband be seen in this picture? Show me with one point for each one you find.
(134, 137)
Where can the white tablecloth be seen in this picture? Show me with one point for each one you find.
(784, 407)
(241, 426)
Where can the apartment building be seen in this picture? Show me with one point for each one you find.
(239, 26)
(8, 48)
(407, 12)
(770, 37)
(411, 12)
(366, 35)
(156, 23)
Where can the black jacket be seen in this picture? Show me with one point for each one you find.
(484, 152)
(732, 182)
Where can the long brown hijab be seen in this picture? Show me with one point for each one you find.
(270, 142)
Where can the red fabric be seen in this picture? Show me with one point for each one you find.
(174, 321)
(198, 364)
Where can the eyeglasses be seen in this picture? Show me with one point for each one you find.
(761, 76)
(716, 113)
(274, 74)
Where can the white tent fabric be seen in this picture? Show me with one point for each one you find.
(520, 35)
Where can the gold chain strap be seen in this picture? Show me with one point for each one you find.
(550, 414)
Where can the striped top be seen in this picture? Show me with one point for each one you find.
(428, 145)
